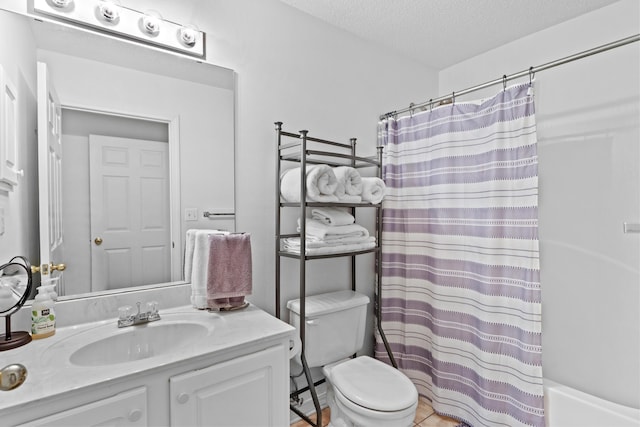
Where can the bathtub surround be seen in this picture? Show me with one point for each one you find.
(588, 117)
(460, 272)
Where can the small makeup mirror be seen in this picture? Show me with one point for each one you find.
(15, 287)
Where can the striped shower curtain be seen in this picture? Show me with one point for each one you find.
(460, 267)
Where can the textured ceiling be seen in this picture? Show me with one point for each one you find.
(440, 33)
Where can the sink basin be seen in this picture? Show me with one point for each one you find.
(139, 342)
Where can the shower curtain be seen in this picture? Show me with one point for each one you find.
(460, 267)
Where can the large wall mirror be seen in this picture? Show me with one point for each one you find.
(146, 146)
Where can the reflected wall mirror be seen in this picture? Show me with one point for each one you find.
(144, 136)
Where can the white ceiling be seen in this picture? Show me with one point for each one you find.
(440, 33)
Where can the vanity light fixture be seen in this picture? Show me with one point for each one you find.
(111, 17)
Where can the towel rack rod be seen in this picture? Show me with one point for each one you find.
(207, 214)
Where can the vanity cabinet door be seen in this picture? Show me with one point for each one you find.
(125, 409)
(251, 390)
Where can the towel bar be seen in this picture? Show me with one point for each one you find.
(208, 214)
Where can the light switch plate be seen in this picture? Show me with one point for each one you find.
(191, 214)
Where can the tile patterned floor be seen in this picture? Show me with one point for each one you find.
(425, 417)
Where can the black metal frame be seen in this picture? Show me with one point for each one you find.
(298, 152)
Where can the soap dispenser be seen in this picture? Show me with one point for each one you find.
(43, 316)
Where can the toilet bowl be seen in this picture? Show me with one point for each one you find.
(369, 393)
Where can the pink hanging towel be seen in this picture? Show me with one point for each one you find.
(229, 275)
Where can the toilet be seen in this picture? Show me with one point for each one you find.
(361, 391)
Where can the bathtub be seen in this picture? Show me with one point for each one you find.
(568, 407)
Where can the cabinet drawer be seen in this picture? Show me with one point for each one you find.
(128, 408)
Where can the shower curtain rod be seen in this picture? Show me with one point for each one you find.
(450, 98)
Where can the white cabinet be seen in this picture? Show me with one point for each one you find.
(247, 391)
(128, 408)
(238, 376)
(244, 388)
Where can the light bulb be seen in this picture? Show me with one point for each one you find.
(188, 35)
(109, 11)
(61, 3)
(151, 22)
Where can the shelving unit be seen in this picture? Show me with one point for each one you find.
(300, 149)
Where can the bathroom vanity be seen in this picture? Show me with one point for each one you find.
(191, 367)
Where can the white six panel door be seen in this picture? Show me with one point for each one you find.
(130, 224)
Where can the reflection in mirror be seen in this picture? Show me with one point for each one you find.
(14, 284)
(121, 92)
(98, 231)
(15, 287)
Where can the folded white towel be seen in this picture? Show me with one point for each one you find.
(332, 216)
(199, 265)
(293, 243)
(320, 180)
(331, 249)
(316, 230)
(350, 178)
(373, 190)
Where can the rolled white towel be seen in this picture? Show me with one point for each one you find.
(373, 190)
(320, 180)
(332, 216)
(343, 197)
(350, 178)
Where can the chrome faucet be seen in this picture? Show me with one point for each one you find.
(127, 318)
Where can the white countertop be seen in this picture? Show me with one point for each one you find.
(51, 373)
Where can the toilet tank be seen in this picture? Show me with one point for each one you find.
(335, 325)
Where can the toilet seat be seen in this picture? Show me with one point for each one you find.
(372, 384)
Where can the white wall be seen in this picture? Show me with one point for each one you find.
(588, 118)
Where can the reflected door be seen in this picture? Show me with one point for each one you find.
(130, 224)
(49, 174)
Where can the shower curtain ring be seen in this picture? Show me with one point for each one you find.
(531, 75)
(411, 105)
(453, 98)
(504, 82)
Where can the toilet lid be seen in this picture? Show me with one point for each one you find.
(373, 384)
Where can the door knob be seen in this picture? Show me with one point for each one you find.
(46, 268)
(57, 267)
(97, 241)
